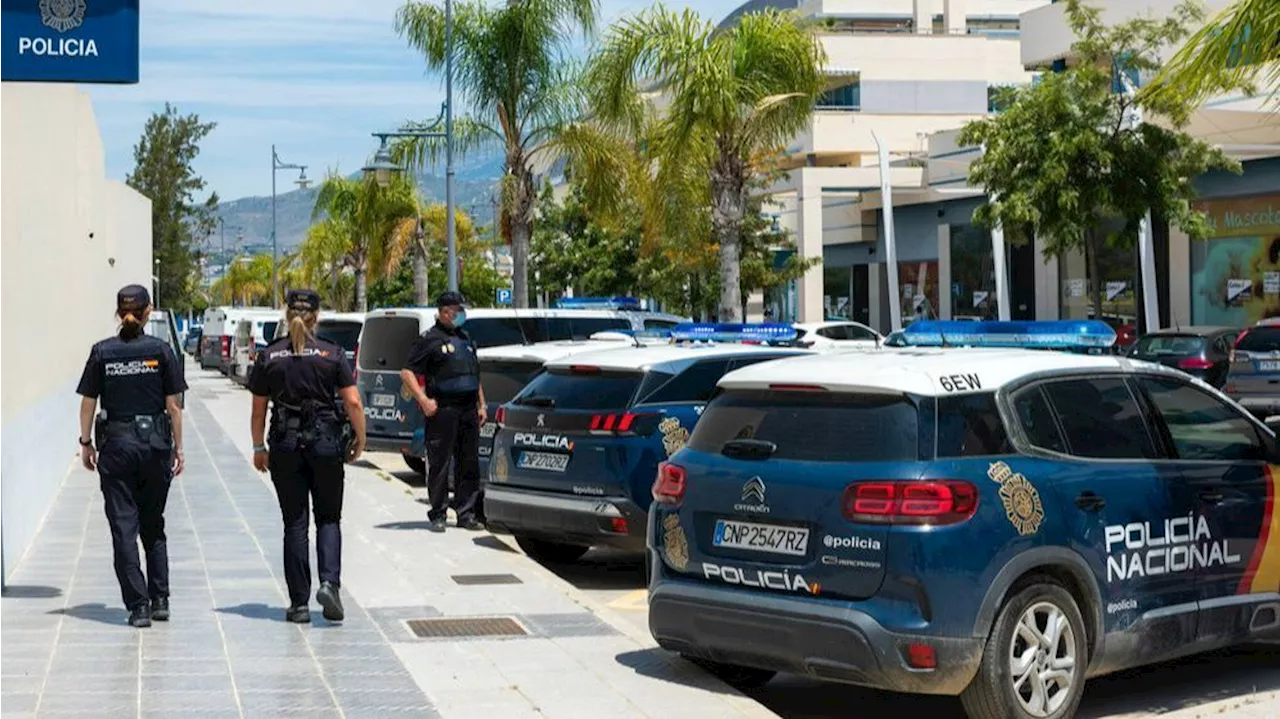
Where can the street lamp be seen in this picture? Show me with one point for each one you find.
(302, 182)
(156, 278)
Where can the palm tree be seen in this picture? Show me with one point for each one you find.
(367, 213)
(512, 67)
(733, 97)
(415, 236)
(1238, 49)
(246, 281)
(323, 254)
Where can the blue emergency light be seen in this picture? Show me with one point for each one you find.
(598, 303)
(732, 332)
(1049, 334)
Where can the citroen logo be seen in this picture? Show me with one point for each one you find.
(378, 380)
(753, 491)
(542, 420)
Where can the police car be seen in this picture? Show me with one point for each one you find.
(576, 450)
(994, 523)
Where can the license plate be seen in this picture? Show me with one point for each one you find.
(384, 400)
(488, 429)
(1269, 366)
(485, 450)
(761, 537)
(543, 460)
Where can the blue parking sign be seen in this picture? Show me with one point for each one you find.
(503, 295)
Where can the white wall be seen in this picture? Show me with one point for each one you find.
(70, 238)
(1046, 35)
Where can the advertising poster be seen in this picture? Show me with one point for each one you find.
(1235, 274)
(1075, 288)
(1271, 283)
(1116, 289)
(979, 298)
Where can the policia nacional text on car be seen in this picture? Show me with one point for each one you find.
(139, 448)
(453, 403)
(302, 376)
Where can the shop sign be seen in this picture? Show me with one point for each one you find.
(89, 41)
(1239, 290)
(1253, 216)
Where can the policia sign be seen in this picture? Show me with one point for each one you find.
(90, 41)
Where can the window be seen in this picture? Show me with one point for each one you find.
(1037, 420)
(503, 380)
(837, 332)
(497, 331)
(859, 333)
(659, 324)
(561, 389)
(970, 426)
(695, 384)
(845, 94)
(1169, 345)
(580, 328)
(814, 426)
(344, 334)
(1201, 426)
(387, 341)
(1260, 339)
(1100, 418)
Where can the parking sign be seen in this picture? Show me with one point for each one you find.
(503, 295)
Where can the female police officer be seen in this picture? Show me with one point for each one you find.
(139, 450)
(301, 375)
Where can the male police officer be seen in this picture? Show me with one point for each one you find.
(139, 448)
(453, 405)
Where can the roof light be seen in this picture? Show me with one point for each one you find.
(598, 303)
(708, 332)
(1054, 334)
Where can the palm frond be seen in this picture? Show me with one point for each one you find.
(469, 135)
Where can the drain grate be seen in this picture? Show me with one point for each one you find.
(473, 579)
(466, 627)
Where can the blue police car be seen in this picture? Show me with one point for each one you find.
(576, 451)
(994, 523)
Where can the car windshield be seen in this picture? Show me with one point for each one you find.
(342, 333)
(576, 390)
(1260, 339)
(1155, 345)
(501, 380)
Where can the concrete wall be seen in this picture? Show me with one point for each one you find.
(70, 238)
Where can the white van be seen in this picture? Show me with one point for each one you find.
(219, 334)
(254, 330)
(340, 328)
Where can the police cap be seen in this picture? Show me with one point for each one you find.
(132, 298)
(306, 300)
(451, 299)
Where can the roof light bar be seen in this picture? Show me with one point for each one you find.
(1051, 334)
(598, 303)
(708, 332)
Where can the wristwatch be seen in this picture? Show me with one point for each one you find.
(85, 442)
(259, 447)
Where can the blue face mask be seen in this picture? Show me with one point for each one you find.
(460, 319)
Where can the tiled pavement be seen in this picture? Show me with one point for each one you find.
(228, 653)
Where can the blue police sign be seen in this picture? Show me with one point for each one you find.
(503, 295)
(94, 41)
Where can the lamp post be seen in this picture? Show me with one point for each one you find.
(156, 277)
(302, 183)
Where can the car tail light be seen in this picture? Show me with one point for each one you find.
(226, 346)
(500, 415)
(1194, 363)
(668, 488)
(1231, 356)
(933, 502)
(584, 369)
(797, 388)
(624, 423)
(921, 656)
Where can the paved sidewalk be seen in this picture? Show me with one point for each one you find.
(67, 650)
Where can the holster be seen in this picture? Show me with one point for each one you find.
(306, 427)
(155, 431)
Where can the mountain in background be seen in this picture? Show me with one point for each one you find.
(248, 219)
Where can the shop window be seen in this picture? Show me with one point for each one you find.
(973, 274)
(918, 283)
(1114, 286)
(1235, 273)
(837, 292)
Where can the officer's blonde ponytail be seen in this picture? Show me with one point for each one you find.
(131, 324)
(301, 325)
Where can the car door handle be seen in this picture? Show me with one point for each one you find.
(1212, 496)
(1090, 502)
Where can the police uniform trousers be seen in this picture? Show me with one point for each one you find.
(453, 435)
(300, 475)
(135, 481)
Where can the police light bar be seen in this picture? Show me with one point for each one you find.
(764, 332)
(598, 303)
(1050, 334)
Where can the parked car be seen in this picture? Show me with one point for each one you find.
(843, 334)
(1253, 379)
(191, 345)
(1203, 352)
(219, 331)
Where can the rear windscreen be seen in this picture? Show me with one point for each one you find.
(269, 330)
(1170, 345)
(566, 328)
(387, 341)
(501, 381)
(344, 334)
(496, 331)
(1260, 339)
(813, 426)
(561, 389)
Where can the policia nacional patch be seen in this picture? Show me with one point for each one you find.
(1021, 500)
(674, 544)
(674, 436)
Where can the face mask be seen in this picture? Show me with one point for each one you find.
(460, 319)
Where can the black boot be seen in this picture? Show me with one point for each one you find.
(140, 616)
(160, 609)
(298, 615)
(328, 598)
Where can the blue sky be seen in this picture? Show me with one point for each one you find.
(315, 77)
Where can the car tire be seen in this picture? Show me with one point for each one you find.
(417, 464)
(550, 552)
(735, 675)
(1023, 623)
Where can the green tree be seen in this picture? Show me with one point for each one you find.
(1067, 153)
(732, 98)
(420, 237)
(572, 250)
(163, 172)
(246, 282)
(1239, 49)
(323, 255)
(477, 281)
(512, 66)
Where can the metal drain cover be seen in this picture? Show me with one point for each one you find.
(466, 627)
(469, 579)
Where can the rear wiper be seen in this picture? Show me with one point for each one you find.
(537, 402)
(749, 449)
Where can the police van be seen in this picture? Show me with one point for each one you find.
(253, 332)
(576, 450)
(220, 324)
(990, 521)
(392, 416)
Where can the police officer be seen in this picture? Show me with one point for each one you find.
(302, 376)
(139, 448)
(453, 403)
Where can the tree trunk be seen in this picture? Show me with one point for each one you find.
(335, 281)
(362, 291)
(728, 202)
(420, 289)
(521, 222)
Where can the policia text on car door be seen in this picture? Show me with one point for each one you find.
(139, 448)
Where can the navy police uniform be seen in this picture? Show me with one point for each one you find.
(446, 358)
(131, 378)
(307, 448)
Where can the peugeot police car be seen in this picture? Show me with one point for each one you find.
(576, 450)
(994, 523)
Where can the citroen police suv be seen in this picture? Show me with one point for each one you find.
(576, 450)
(994, 523)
